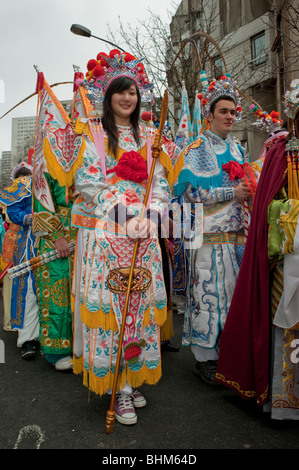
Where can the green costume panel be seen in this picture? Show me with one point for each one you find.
(54, 279)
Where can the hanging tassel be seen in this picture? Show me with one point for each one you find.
(295, 178)
(149, 161)
(290, 179)
(98, 136)
(40, 82)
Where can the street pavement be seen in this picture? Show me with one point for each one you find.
(41, 408)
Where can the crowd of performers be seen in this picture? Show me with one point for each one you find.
(73, 222)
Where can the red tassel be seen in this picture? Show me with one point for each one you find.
(78, 76)
(40, 82)
(250, 179)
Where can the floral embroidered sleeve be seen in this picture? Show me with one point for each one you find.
(160, 198)
(211, 196)
(92, 186)
(59, 218)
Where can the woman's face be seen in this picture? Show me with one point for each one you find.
(123, 104)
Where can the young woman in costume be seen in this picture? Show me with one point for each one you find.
(112, 184)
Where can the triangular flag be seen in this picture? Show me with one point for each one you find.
(184, 132)
(58, 149)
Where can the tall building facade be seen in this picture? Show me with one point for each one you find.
(5, 169)
(22, 138)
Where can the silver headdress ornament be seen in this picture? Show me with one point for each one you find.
(268, 122)
(105, 68)
(18, 167)
(216, 89)
(291, 100)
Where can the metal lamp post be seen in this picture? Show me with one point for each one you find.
(83, 31)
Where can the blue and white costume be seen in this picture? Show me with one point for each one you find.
(213, 268)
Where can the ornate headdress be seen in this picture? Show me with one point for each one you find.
(269, 123)
(217, 88)
(291, 100)
(105, 68)
(265, 121)
(18, 167)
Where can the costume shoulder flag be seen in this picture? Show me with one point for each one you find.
(184, 132)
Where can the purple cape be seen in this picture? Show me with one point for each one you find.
(244, 360)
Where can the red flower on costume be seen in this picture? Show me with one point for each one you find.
(234, 169)
(129, 198)
(133, 348)
(131, 166)
(93, 169)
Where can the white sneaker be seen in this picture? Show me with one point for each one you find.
(65, 363)
(124, 409)
(139, 400)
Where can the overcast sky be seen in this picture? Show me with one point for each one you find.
(38, 32)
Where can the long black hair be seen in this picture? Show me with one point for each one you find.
(117, 86)
(22, 172)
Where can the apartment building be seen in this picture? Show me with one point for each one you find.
(22, 138)
(5, 169)
(256, 41)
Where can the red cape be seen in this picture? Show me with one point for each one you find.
(244, 358)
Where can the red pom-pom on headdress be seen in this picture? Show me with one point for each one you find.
(91, 64)
(129, 57)
(101, 59)
(98, 71)
(113, 53)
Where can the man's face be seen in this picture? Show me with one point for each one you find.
(223, 118)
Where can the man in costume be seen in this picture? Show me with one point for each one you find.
(255, 363)
(112, 184)
(24, 308)
(58, 151)
(213, 176)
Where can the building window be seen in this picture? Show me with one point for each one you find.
(218, 68)
(258, 45)
(197, 24)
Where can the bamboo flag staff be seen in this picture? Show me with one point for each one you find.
(156, 149)
(36, 262)
(31, 96)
